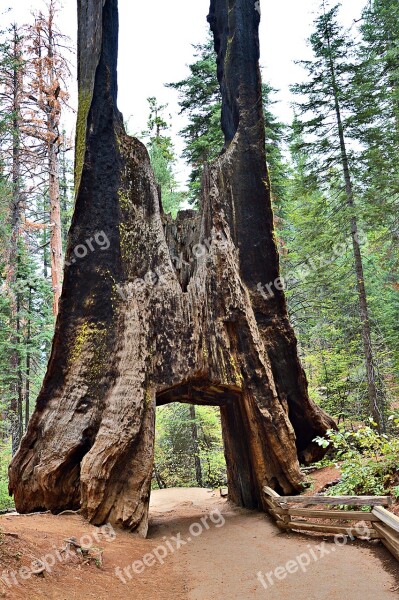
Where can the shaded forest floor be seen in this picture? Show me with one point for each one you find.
(208, 548)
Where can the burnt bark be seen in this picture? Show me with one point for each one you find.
(170, 310)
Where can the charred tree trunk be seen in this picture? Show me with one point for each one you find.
(135, 329)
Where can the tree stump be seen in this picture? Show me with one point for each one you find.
(159, 311)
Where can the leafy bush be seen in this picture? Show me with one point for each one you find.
(369, 462)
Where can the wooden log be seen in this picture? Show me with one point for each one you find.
(276, 508)
(270, 492)
(336, 529)
(277, 517)
(277, 512)
(338, 500)
(275, 498)
(344, 515)
(391, 536)
(386, 517)
(393, 550)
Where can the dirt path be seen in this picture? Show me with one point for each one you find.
(199, 548)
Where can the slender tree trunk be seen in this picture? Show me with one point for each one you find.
(45, 243)
(194, 433)
(54, 181)
(15, 359)
(48, 92)
(20, 377)
(28, 360)
(55, 221)
(358, 260)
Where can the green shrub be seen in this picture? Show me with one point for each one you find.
(369, 462)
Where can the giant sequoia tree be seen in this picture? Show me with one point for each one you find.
(137, 327)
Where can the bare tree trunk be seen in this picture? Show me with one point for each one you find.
(54, 182)
(55, 222)
(48, 70)
(133, 331)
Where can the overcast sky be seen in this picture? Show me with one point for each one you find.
(156, 40)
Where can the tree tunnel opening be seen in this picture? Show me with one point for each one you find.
(188, 447)
(182, 411)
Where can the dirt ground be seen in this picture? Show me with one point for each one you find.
(199, 548)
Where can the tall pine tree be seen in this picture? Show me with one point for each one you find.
(327, 112)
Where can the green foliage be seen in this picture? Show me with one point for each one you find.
(162, 157)
(319, 212)
(5, 459)
(175, 447)
(163, 171)
(31, 341)
(200, 100)
(26, 321)
(376, 94)
(328, 82)
(321, 290)
(368, 461)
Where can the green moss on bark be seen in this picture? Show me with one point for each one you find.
(85, 98)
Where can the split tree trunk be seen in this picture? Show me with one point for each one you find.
(135, 330)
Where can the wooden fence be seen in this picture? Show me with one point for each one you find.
(381, 524)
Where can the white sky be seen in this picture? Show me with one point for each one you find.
(155, 48)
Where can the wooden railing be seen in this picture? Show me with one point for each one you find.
(381, 524)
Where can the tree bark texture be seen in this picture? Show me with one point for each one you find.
(170, 311)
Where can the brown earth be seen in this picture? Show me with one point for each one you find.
(226, 551)
(320, 478)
